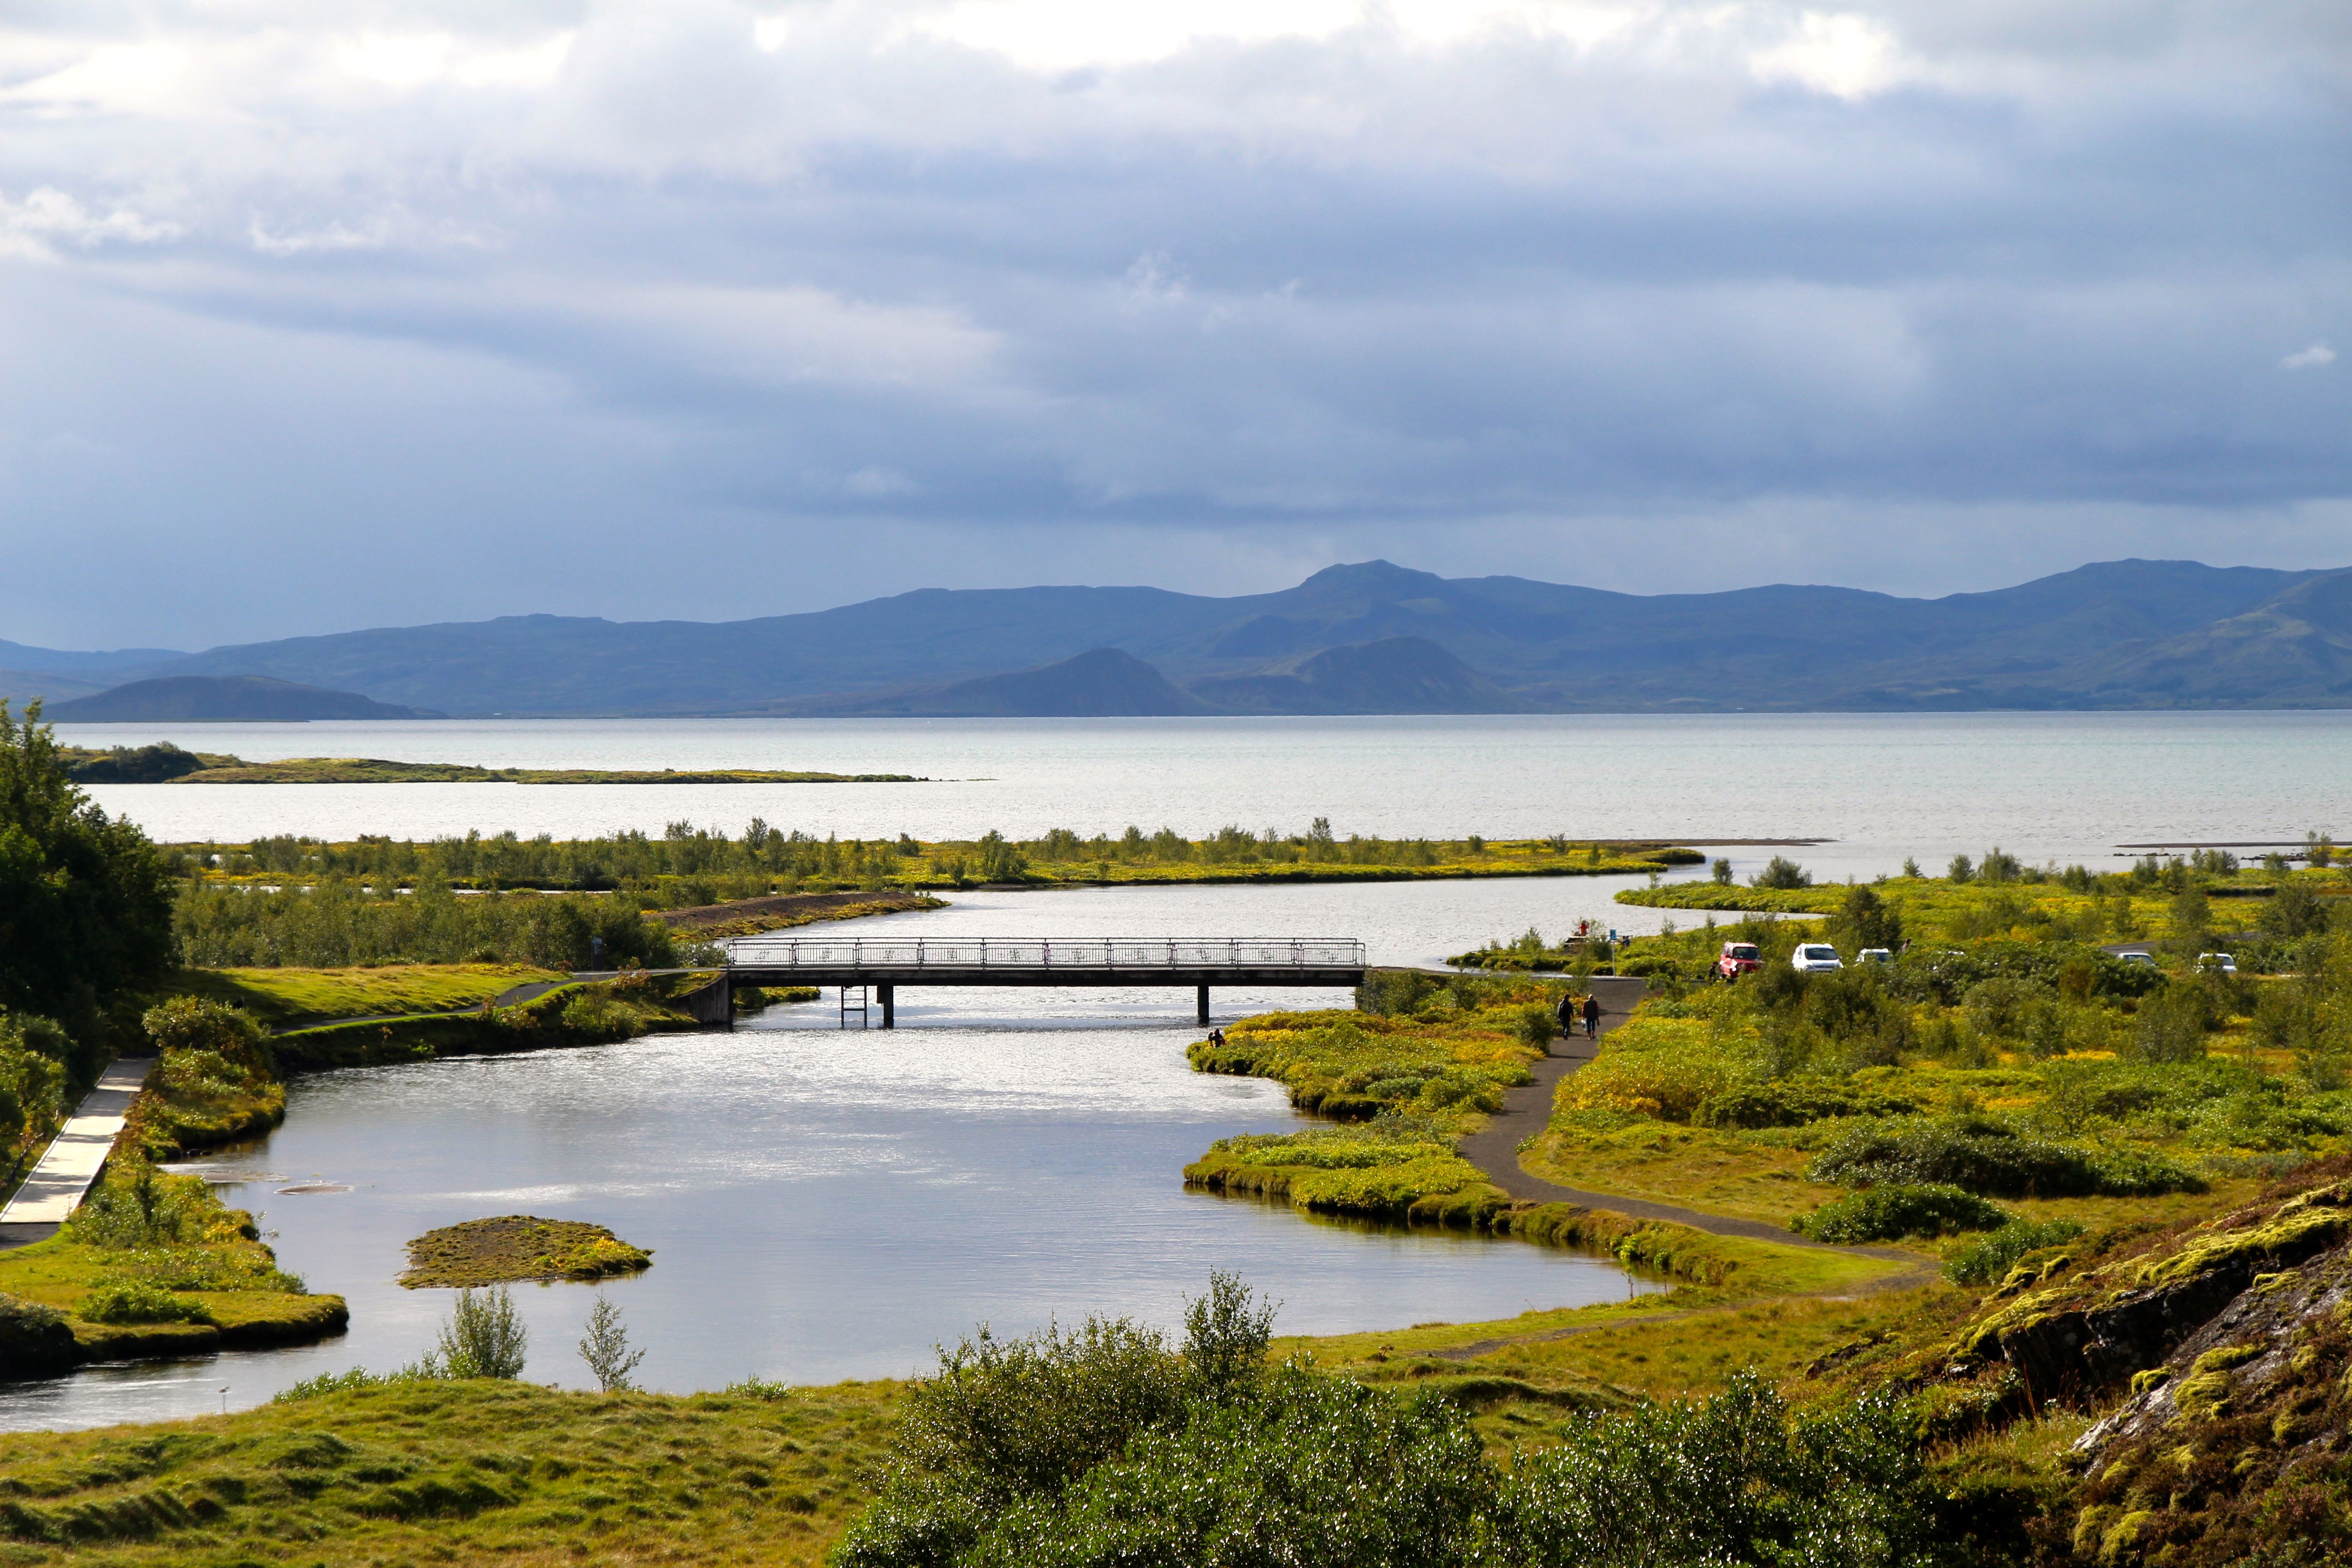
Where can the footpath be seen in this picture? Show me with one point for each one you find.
(1527, 1111)
(76, 1156)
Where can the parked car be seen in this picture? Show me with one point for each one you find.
(1816, 958)
(1874, 955)
(1737, 959)
(2216, 964)
(2147, 958)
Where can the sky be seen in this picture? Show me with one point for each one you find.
(338, 314)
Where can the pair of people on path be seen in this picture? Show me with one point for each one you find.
(1590, 1015)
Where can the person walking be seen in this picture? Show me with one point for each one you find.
(1591, 1015)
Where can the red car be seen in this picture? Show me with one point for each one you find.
(1737, 958)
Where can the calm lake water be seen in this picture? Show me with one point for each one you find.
(826, 1205)
(1885, 785)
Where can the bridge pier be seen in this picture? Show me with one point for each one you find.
(1201, 996)
(888, 995)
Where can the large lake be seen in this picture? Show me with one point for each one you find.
(826, 1205)
(2041, 784)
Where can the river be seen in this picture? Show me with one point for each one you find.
(826, 1205)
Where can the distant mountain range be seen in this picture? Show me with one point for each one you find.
(1368, 638)
(213, 698)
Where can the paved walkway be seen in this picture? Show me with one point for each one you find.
(74, 1159)
(1495, 1149)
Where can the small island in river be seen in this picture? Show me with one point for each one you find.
(517, 1246)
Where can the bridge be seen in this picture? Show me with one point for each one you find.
(885, 964)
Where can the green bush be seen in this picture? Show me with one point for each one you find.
(1897, 1210)
(1989, 1257)
(1991, 1157)
(137, 1301)
(483, 1338)
(1325, 1472)
(34, 1339)
(1793, 1103)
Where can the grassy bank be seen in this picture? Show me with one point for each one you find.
(279, 999)
(475, 1471)
(150, 1265)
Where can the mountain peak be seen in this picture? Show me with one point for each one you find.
(1384, 578)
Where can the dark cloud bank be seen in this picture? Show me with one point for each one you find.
(392, 313)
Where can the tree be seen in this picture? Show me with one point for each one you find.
(2293, 911)
(1782, 872)
(85, 901)
(605, 1348)
(1865, 920)
(1723, 871)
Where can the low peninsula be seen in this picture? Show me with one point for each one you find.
(167, 763)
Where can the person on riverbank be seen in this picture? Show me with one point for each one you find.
(1591, 1015)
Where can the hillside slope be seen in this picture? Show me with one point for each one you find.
(215, 697)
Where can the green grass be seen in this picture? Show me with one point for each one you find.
(281, 998)
(435, 1472)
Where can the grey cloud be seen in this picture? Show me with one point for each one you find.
(895, 309)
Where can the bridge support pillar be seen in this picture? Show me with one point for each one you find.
(1200, 997)
(888, 995)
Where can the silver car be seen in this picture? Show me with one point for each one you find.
(1815, 958)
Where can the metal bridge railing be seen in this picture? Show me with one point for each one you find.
(1109, 953)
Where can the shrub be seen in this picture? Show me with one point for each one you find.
(1007, 1418)
(1729, 1480)
(34, 1341)
(1783, 873)
(1991, 1157)
(1989, 1257)
(137, 1301)
(2172, 1026)
(137, 1207)
(1793, 1103)
(1225, 1336)
(483, 1338)
(597, 1016)
(1897, 1210)
(1658, 1065)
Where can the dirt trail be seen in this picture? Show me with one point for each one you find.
(1495, 1149)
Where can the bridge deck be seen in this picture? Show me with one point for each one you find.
(1198, 962)
(1047, 960)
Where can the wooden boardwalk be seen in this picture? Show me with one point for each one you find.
(74, 1158)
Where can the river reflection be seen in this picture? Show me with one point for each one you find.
(821, 1205)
